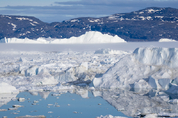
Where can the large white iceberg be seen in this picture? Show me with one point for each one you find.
(145, 68)
(88, 37)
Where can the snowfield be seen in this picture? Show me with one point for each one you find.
(105, 69)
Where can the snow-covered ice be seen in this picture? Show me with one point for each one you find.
(144, 70)
(88, 37)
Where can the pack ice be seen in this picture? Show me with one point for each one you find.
(145, 68)
(54, 70)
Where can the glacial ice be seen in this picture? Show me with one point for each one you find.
(145, 68)
(145, 71)
(88, 37)
(109, 116)
(157, 56)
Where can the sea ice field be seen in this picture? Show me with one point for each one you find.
(113, 80)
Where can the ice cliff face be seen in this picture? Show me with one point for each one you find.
(157, 56)
(145, 68)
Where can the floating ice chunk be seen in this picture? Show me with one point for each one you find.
(151, 116)
(3, 109)
(21, 99)
(109, 51)
(110, 116)
(7, 88)
(28, 116)
(17, 106)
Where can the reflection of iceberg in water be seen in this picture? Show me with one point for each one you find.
(133, 104)
(5, 98)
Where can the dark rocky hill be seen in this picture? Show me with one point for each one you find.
(149, 24)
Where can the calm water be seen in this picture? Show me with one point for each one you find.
(84, 103)
(50, 104)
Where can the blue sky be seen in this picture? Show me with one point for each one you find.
(59, 10)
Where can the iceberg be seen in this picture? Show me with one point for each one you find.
(145, 68)
(88, 37)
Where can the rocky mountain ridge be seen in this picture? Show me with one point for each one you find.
(150, 24)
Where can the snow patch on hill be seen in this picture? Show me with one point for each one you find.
(166, 40)
(88, 37)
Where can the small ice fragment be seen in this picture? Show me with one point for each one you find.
(4, 117)
(99, 104)
(28, 116)
(68, 104)
(17, 106)
(121, 109)
(12, 108)
(55, 94)
(35, 101)
(15, 113)
(50, 104)
(3, 109)
(21, 99)
(50, 112)
(57, 106)
(75, 112)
